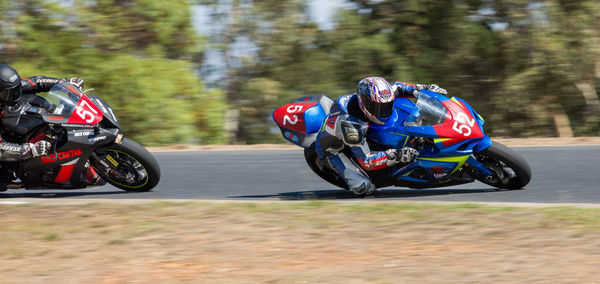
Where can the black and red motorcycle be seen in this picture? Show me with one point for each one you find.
(84, 133)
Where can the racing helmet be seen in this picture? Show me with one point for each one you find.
(10, 85)
(376, 99)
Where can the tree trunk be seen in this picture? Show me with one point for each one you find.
(232, 118)
(589, 94)
(562, 123)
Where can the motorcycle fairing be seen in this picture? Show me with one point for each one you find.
(63, 168)
(448, 140)
(454, 144)
(392, 133)
(109, 119)
(301, 120)
(436, 169)
(71, 106)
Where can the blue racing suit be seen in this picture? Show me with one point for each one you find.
(346, 126)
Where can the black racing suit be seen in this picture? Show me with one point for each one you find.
(13, 151)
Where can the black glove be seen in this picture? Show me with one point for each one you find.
(433, 88)
(404, 155)
(77, 82)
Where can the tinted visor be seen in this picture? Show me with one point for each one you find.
(379, 110)
(10, 95)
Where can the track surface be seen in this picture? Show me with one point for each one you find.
(568, 174)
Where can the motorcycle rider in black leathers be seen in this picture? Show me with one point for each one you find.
(11, 88)
(347, 124)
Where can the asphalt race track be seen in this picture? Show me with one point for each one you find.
(561, 174)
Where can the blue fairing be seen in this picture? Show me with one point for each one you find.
(436, 163)
(314, 117)
(393, 132)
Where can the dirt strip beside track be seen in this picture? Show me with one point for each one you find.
(83, 201)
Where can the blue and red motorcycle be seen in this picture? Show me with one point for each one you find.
(448, 133)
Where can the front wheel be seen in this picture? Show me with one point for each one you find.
(135, 168)
(511, 171)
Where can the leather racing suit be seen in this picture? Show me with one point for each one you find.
(346, 126)
(13, 151)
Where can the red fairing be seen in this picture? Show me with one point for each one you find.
(85, 112)
(65, 173)
(460, 127)
(292, 116)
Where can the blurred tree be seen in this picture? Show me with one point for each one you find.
(551, 51)
(154, 27)
(139, 59)
(288, 62)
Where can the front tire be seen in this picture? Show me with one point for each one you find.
(511, 171)
(137, 168)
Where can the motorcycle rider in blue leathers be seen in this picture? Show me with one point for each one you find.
(347, 124)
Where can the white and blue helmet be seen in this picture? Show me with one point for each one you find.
(376, 99)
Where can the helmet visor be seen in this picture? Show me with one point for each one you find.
(379, 110)
(10, 95)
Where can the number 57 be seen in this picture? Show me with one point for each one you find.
(79, 109)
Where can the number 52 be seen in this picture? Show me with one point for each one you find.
(465, 124)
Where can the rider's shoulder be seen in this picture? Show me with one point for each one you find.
(343, 101)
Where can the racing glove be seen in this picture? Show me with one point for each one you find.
(77, 82)
(404, 155)
(40, 148)
(16, 152)
(433, 88)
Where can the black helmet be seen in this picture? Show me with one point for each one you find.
(10, 85)
(376, 99)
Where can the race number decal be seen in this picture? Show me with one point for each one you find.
(85, 112)
(465, 124)
(292, 109)
(460, 127)
(292, 116)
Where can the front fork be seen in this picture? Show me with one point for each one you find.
(109, 163)
(479, 167)
(106, 161)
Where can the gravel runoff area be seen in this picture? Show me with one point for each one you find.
(297, 242)
(550, 141)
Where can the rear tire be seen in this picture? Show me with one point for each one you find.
(511, 171)
(327, 174)
(138, 170)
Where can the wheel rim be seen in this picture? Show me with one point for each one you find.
(130, 173)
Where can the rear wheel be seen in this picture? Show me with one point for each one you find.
(511, 171)
(136, 168)
(325, 173)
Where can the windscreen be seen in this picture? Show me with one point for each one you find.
(62, 99)
(429, 112)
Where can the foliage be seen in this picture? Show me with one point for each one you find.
(531, 68)
(137, 55)
(523, 64)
